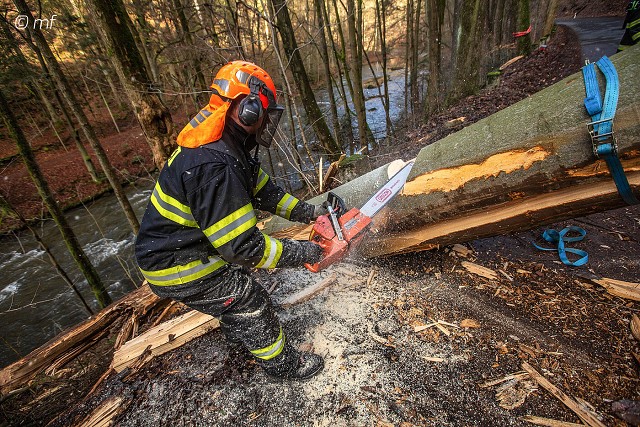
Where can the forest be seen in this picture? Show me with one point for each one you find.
(73, 72)
(93, 94)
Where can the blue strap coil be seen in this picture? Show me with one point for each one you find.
(601, 127)
(560, 238)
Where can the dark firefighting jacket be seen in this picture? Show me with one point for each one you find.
(201, 215)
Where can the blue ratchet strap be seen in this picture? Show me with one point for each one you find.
(601, 127)
(559, 238)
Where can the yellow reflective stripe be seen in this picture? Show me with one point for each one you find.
(272, 252)
(174, 155)
(263, 178)
(636, 36)
(273, 350)
(171, 208)
(633, 24)
(183, 273)
(231, 226)
(286, 205)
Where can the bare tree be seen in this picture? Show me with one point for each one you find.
(69, 237)
(290, 45)
(72, 102)
(117, 33)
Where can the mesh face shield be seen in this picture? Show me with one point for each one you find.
(270, 125)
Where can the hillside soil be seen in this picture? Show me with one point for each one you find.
(379, 370)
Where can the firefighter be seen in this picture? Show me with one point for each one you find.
(198, 236)
(631, 25)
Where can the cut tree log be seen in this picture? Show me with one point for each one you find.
(24, 370)
(528, 165)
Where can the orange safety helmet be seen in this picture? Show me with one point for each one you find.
(232, 80)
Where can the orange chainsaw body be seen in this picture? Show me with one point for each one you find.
(353, 225)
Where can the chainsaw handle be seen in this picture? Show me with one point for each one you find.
(324, 236)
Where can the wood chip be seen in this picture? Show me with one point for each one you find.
(433, 359)
(469, 323)
(490, 383)
(423, 327)
(480, 270)
(587, 415)
(461, 250)
(372, 273)
(104, 414)
(635, 326)
(540, 421)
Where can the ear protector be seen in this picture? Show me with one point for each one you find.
(250, 108)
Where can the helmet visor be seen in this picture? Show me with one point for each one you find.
(270, 126)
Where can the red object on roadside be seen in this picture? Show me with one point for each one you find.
(522, 33)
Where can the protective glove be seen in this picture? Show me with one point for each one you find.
(319, 210)
(296, 253)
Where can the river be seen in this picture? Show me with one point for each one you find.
(36, 304)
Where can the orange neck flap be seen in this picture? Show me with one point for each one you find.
(206, 126)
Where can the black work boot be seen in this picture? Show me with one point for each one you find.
(292, 364)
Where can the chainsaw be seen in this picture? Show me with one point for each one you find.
(340, 230)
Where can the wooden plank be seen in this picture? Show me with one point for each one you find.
(635, 326)
(105, 414)
(540, 421)
(586, 415)
(163, 338)
(480, 270)
(619, 288)
(309, 292)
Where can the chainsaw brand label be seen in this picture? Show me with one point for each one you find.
(384, 195)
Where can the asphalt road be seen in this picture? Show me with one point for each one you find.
(598, 36)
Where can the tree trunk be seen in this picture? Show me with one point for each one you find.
(524, 20)
(68, 94)
(324, 52)
(381, 13)
(69, 237)
(314, 115)
(528, 165)
(552, 11)
(355, 53)
(115, 29)
(88, 163)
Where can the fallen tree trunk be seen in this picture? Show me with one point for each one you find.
(24, 370)
(528, 165)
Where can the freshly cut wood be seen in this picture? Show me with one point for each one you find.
(182, 329)
(619, 288)
(163, 338)
(635, 326)
(510, 62)
(528, 165)
(331, 172)
(582, 411)
(480, 270)
(469, 323)
(309, 292)
(105, 414)
(515, 375)
(541, 421)
(24, 370)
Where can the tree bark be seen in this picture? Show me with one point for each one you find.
(355, 53)
(88, 163)
(69, 237)
(314, 115)
(89, 132)
(116, 31)
(528, 165)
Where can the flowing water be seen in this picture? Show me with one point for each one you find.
(36, 304)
